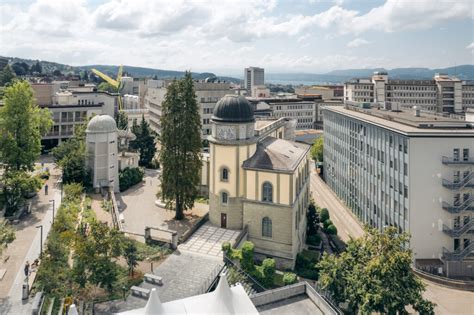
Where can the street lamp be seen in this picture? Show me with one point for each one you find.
(41, 240)
(52, 200)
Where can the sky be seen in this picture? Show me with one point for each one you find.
(221, 36)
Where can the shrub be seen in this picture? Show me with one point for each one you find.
(226, 248)
(289, 278)
(313, 240)
(331, 229)
(324, 215)
(268, 270)
(312, 274)
(327, 223)
(247, 262)
(130, 176)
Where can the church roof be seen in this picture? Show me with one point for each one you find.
(233, 108)
(277, 155)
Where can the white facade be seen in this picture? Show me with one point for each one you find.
(102, 159)
(253, 76)
(413, 173)
(207, 95)
(303, 112)
(442, 94)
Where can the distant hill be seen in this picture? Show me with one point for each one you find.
(138, 72)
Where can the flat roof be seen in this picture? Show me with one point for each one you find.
(406, 122)
(300, 304)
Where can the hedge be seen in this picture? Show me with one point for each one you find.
(130, 176)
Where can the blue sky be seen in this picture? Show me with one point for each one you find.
(223, 36)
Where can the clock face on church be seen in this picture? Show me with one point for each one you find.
(226, 133)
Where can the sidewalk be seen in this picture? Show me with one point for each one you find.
(26, 247)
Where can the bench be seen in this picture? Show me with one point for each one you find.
(37, 301)
(149, 277)
(140, 291)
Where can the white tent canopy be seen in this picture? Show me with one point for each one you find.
(223, 300)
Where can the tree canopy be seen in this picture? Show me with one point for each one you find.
(317, 149)
(374, 275)
(6, 75)
(7, 235)
(180, 146)
(122, 120)
(144, 143)
(22, 123)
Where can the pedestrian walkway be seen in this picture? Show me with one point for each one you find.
(12, 302)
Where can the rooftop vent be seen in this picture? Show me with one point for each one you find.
(417, 111)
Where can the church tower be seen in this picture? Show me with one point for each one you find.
(231, 143)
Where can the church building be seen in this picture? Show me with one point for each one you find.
(258, 180)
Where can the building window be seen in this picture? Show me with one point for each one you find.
(224, 198)
(224, 174)
(267, 194)
(266, 227)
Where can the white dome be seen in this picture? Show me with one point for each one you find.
(101, 124)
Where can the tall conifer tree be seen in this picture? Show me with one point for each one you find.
(181, 146)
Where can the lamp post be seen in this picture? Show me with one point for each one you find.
(41, 240)
(52, 200)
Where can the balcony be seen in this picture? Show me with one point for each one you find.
(465, 182)
(459, 254)
(456, 232)
(453, 160)
(467, 205)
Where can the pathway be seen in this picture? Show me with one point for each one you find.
(27, 248)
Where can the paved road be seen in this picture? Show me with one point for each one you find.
(449, 301)
(346, 223)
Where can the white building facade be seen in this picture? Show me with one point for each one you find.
(253, 76)
(411, 172)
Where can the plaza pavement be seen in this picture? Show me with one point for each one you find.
(448, 300)
(26, 247)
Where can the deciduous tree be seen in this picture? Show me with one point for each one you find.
(181, 146)
(374, 275)
(7, 235)
(317, 149)
(6, 75)
(144, 143)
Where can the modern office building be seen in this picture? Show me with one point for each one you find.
(253, 77)
(409, 169)
(258, 181)
(442, 94)
(207, 95)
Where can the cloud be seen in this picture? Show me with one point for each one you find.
(470, 46)
(357, 42)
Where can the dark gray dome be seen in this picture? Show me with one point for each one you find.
(233, 109)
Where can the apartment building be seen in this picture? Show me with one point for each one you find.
(207, 95)
(442, 94)
(409, 169)
(253, 77)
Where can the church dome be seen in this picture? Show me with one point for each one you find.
(101, 124)
(233, 109)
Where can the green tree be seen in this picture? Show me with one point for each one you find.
(16, 185)
(130, 253)
(374, 275)
(317, 149)
(7, 235)
(6, 75)
(181, 146)
(36, 68)
(22, 123)
(104, 86)
(57, 73)
(122, 120)
(144, 143)
(20, 68)
(85, 75)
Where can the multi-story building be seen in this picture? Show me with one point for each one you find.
(327, 92)
(408, 169)
(71, 108)
(442, 94)
(253, 76)
(467, 95)
(207, 95)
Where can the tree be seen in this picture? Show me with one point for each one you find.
(6, 75)
(57, 73)
(122, 120)
(85, 76)
(20, 68)
(317, 149)
(107, 87)
(181, 146)
(130, 253)
(7, 235)
(22, 123)
(16, 185)
(36, 68)
(374, 275)
(144, 142)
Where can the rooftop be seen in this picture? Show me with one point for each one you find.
(406, 122)
(277, 155)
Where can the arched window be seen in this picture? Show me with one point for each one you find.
(267, 192)
(267, 227)
(224, 197)
(224, 174)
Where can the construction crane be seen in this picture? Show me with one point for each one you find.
(117, 83)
